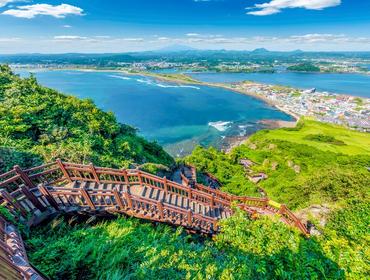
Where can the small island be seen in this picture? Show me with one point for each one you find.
(304, 67)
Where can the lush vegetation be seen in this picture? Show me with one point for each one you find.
(298, 174)
(356, 143)
(129, 249)
(311, 164)
(39, 123)
(261, 249)
(304, 67)
(324, 138)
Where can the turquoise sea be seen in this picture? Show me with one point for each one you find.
(177, 116)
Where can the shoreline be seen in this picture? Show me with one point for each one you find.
(183, 78)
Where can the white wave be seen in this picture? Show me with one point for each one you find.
(149, 82)
(220, 125)
(172, 86)
(120, 77)
(245, 126)
(144, 81)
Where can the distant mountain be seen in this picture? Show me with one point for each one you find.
(260, 51)
(176, 48)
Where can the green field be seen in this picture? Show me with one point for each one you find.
(355, 142)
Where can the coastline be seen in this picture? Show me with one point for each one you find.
(183, 78)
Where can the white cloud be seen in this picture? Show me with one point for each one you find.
(133, 39)
(67, 26)
(30, 11)
(275, 6)
(3, 3)
(69, 38)
(63, 43)
(327, 38)
(9, 40)
(192, 34)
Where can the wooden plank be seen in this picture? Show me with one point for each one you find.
(13, 202)
(45, 192)
(64, 170)
(87, 198)
(24, 176)
(160, 209)
(118, 199)
(128, 199)
(33, 199)
(93, 171)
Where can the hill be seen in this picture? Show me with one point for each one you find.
(41, 124)
(336, 138)
(299, 174)
(304, 67)
(312, 165)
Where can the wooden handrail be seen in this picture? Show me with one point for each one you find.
(40, 189)
(59, 171)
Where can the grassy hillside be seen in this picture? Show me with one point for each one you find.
(308, 132)
(300, 172)
(311, 164)
(41, 124)
(261, 249)
(245, 249)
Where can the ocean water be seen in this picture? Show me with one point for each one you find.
(351, 84)
(179, 117)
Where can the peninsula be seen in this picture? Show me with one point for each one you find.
(346, 110)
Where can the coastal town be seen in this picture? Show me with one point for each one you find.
(340, 109)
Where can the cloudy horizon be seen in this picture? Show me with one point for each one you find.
(37, 26)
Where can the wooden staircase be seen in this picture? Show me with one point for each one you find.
(32, 195)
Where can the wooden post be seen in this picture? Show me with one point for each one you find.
(33, 198)
(190, 217)
(87, 198)
(49, 197)
(9, 199)
(212, 200)
(64, 170)
(93, 171)
(24, 177)
(160, 210)
(118, 199)
(190, 194)
(128, 199)
(124, 172)
(214, 226)
(165, 185)
(139, 177)
(282, 209)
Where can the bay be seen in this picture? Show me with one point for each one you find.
(178, 116)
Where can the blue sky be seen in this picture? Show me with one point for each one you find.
(123, 25)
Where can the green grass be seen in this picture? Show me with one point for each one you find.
(313, 163)
(130, 249)
(355, 142)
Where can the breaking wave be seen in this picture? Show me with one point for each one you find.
(220, 125)
(120, 77)
(149, 82)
